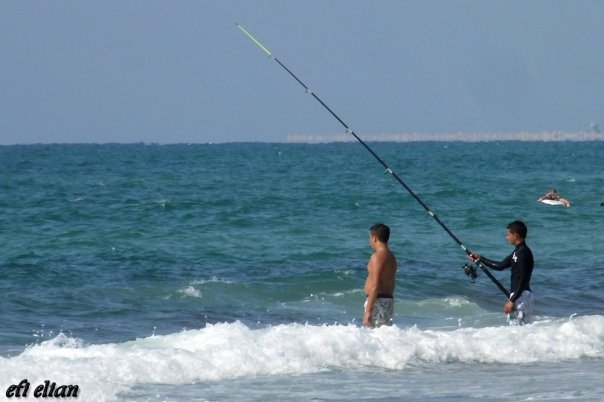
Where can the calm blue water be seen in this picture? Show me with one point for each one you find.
(235, 271)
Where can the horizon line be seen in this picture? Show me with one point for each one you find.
(556, 136)
(545, 136)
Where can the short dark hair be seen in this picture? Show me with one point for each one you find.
(519, 228)
(381, 231)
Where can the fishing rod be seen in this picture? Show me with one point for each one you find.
(470, 271)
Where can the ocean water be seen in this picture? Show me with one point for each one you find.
(235, 271)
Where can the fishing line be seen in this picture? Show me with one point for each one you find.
(388, 170)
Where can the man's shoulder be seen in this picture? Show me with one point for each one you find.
(380, 256)
(525, 250)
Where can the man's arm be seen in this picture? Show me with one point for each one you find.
(498, 266)
(371, 287)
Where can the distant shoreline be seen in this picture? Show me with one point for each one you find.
(345, 137)
(464, 137)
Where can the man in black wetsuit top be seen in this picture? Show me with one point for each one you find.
(520, 305)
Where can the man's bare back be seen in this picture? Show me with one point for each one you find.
(381, 271)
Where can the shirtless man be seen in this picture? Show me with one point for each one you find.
(379, 286)
(553, 195)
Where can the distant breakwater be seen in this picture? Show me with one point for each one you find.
(445, 137)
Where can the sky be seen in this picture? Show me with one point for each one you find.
(181, 72)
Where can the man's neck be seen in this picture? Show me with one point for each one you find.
(380, 247)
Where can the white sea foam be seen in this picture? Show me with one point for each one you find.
(453, 301)
(213, 279)
(190, 291)
(229, 351)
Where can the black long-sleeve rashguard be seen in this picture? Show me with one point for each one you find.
(521, 261)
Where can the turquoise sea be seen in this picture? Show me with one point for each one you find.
(232, 272)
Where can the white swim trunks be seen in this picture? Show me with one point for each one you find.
(523, 309)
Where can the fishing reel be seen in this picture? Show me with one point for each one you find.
(470, 269)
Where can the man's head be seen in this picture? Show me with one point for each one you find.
(516, 233)
(380, 231)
